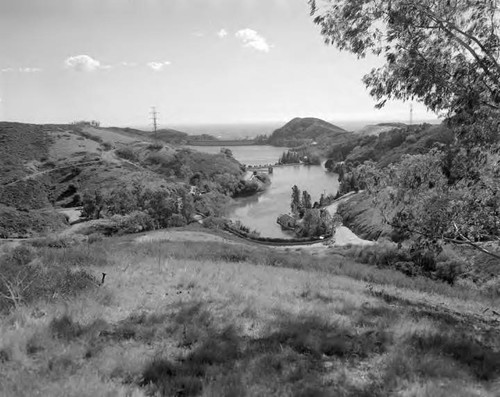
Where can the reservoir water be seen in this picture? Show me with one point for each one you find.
(260, 212)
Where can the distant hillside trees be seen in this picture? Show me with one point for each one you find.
(297, 156)
(289, 157)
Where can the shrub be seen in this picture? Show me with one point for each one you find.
(127, 154)
(155, 146)
(134, 222)
(107, 146)
(213, 222)
(53, 242)
(177, 220)
(64, 328)
(449, 271)
(159, 159)
(28, 283)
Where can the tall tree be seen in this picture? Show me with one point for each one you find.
(306, 200)
(296, 203)
(442, 53)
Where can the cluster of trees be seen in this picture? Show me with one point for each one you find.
(299, 156)
(315, 221)
(445, 55)
(155, 208)
(350, 179)
(289, 157)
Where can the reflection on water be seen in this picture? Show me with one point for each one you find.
(261, 211)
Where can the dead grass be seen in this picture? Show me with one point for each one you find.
(170, 322)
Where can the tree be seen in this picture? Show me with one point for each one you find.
(316, 222)
(296, 203)
(416, 198)
(306, 200)
(92, 204)
(443, 53)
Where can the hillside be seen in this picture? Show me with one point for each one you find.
(376, 129)
(44, 167)
(166, 135)
(301, 131)
(388, 146)
(203, 315)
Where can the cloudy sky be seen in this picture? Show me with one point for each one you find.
(197, 61)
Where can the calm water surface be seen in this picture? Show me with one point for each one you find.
(260, 212)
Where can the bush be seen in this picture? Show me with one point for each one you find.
(155, 146)
(134, 222)
(107, 146)
(492, 287)
(53, 242)
(449, 271)
(177, 220)
(127, 154)
(213, 222)
(24, 281)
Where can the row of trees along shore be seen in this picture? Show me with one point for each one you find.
(444, 54)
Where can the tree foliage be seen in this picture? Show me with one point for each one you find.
(443, 53)
(416, 197)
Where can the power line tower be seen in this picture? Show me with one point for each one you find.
(154, 118)
(411, 113)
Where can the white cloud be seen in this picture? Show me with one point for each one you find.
(158, 66)
(6, 70)
(222, 33)
(199, 34)
(30, 70)
(128, 64)
(84, 63)
(251, 38)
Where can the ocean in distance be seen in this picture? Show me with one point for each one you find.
(251, 130)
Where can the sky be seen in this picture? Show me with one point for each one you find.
(196, 61)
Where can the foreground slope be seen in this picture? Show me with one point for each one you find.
(177, 318)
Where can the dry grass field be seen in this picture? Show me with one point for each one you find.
(177, 318)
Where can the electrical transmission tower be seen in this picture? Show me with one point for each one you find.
(154, 118)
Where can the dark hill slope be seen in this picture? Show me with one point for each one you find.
(301, 131)
(389, 146)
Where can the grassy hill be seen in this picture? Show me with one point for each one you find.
(376, 129)
(300, 131)
(43, 167)
(202, 317)
(389, 145)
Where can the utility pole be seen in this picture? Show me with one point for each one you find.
(411, 113)
(154, 117)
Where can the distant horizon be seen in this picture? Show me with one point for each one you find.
(255, 126)
(196, 61)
